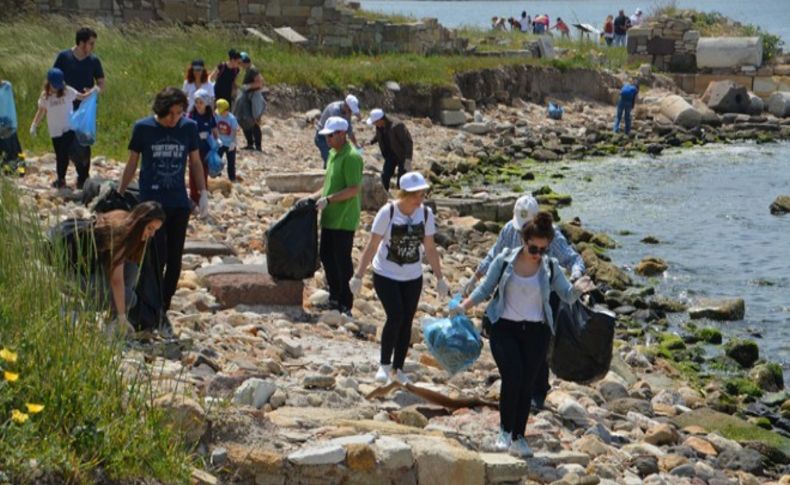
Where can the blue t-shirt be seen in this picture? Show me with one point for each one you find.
(164, 154)
(79, 74)
(205, 123)
(628, 93)
(227, 125)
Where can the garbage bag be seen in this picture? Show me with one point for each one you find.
(8, 121)
(72, 242)
(582, 347)
(83, 121)
(453, 342)
(292, 243)
(148, 310)
(554, 111)
(214, 161)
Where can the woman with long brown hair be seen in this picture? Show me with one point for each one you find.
(196, 78)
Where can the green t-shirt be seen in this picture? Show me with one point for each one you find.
(343, 170)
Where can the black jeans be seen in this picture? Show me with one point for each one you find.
(63, 147)
(399, 299)
(169, 242)
(389, 170)
(10, 148)
(253, 137)
(82, 160)
(231, 156)
(336, 246)
(519, 349)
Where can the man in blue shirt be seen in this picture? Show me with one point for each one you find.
(81, 70)
(625, 105)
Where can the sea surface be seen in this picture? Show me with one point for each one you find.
(771, 15)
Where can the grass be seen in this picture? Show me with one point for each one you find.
(95, 423)
(385, 17)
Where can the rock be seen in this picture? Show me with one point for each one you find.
(779, 104)
(623, 406)
(277, 400)
(744, 459)
(744, 352)
(591, 445)
(451, 103)
(708, 116)
(727, 97)
(732, 309)
(686, 470)
(723, 444)
(312, 115)
(502, 468)
(207, 248)
(219, 456)
(440, 461)
(574, 412)
(360, 457)
(247, 284)
(183, 414)
(318, 381)
(635, 358)
(756, 105)
(671, 461)
(562, 458)
(544, 155)
(392, 453)
(680, 112)
(651, 266)
(645, 465)
(476, 128)
(611, 390)
(221, 185)
(781, 205)
(319, 297)
(254, 392)
(452, 117)
(663, 434)
(290, 346)
(318, 455)
(729, 52)
(411, 417)
(769, 377)
(701, 446)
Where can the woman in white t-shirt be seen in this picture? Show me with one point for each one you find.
(57, 103)
(402, 230)
(196, 78)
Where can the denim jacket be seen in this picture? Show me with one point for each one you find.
(506, 259)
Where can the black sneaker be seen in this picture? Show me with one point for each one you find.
(165, 329)
(58, 184)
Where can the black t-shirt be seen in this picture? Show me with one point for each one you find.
(223, 85)
(621, 25)
(79, 74)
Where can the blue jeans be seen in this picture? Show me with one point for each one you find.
(619, 40)
(323, 146)
(623, 110)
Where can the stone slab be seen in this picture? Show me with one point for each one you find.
(239, 284)
(259, 35)
(729, 52)
(290, 35)
(701, 81)
(501, 468)
(319, 455)
(452, 117)
(766, 86)
(208, 248)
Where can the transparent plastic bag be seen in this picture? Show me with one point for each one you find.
(8, 120)
(83, 121)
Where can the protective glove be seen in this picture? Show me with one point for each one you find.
(33, 128)
(355, 285)
(442, 288)
(124, 326)
(219, 143)
(584, 284)
(203, 204)
(575, 276)
(469, 286)
(457, 310)
(322, 203)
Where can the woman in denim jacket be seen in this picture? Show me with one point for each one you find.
(522, 322)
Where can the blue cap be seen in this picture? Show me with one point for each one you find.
(55, 78)
(244, 56)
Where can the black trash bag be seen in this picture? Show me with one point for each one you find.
(148, 311)
(582, 346)
(101, 195)
(292, 243)
(92, 187)
(73, 241)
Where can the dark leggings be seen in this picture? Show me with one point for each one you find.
(519, 349)
(10, 148)
(336, 246)
(231, 156)
(62, 145)
(170, 247)
(399, 299)
(253, 137)
(390, 164)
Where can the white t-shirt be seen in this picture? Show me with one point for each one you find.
(190, 89)
(58, 111)
(523, 300)
(399, 256)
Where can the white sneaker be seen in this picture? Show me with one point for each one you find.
(401, 377)
(520, 449)
(503, 441)
(383, 374)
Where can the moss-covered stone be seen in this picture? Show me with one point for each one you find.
(762, 422)
(731, 427)
(604, 241)
(709, 334)
(741, 386)
(744, 352)
(768, 377)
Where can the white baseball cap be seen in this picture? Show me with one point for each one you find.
(353, 103)
(333, 124)
(525, 209)
(203, 95)
(638, 11)
(375, 115)
(413, 181)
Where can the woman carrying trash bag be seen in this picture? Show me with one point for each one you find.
(522, 322)
(401, 231)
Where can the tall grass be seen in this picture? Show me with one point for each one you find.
(95, 424)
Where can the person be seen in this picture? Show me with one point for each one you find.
(57, 103)
(82, 71)
(526, 22)
(498, 23)
(562, 28)
(540, 25)
(196, 78)
(402, 231)
(250, 106)
(224, 77)
(11, 156)
(203, 115)
(246, 61)
(340, 204)
(522, 322)
(343, 109)
(625, 105)
(163, 144)
(227, 126)
(636, 18)
(621, 24)
(608, 30)
(394, 142)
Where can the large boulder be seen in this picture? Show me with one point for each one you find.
(756, 105)
(441, 461)
(781, 205)
(729, 52)
(779, 104)
(184, 415)
(731, 309)
(680, 112)
(727, 97)
(249, 284)
(651, 266)
(744, 352)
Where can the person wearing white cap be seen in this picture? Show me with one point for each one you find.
(203, 114)
(394, 142)
(340, 204)
(636, 18)
(402, 231)
(341, 109)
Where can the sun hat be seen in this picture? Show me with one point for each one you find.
(353, 103)
(55, 78)
(198, 63)
(413, 181)
(222, 105)
(333, 124)
(203, 95)
(525, 209)
(375, 115)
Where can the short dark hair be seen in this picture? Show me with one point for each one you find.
(166, 99)
(234, 54)
(250, 75)
(85, 34)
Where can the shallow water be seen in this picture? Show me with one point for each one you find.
(709, 209)
(772, 15)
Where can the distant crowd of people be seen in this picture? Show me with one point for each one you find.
(613, 32)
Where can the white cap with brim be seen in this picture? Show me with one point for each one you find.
(375, 115)
(333, 124)
(353, 103)
(203, 95)
(525, 209)
(413, 182)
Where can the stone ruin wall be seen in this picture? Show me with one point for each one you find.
(325, 23)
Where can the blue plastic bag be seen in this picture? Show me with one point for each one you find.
(8, 122)
(214, 161)
(83, 121)
(454, 343)
(555, 111)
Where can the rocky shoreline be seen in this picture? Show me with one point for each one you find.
(278, 394)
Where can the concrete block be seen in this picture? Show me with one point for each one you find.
(779, 104)
(503, 468)
(701, 81)
(452, 117)
(729, 52)
(242, 284)
(756, 105)
(681, 113)
(319, 455)
(453, 103)
(727, 97)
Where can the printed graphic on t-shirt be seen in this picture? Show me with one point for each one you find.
(224, 128)
(168, 156)
(405, 241)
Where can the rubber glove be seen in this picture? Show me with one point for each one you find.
(355, 285)
(203, 204)
(322, 203)
(442, 288)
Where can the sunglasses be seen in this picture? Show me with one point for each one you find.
(532, 249)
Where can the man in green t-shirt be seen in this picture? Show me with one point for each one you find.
(341, 204)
